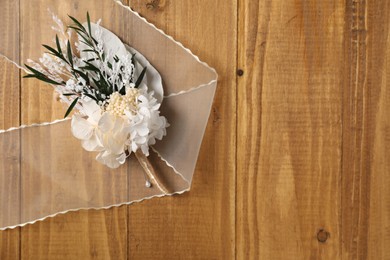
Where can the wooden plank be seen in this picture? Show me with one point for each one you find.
(198, 224)
(378, 126)
(289, 129)
(9, 176)
(80, 235)
(354, 181)
(9, 117)
(366, 168)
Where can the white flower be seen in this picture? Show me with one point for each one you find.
(146, 124)
(109, 122)
(70, 85)
(130, 122)
(101, 132)
(111, 160)
(84, 127)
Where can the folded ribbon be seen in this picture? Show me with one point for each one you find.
(44, 171)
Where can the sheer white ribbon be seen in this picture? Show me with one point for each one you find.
(43, 169)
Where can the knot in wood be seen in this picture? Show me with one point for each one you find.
(154, 5)
(322, 235)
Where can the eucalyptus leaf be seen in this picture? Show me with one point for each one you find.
(54, 51)
(71, 107)
(69, 52)
(40, 76)
(140, 78)
(77, 23)
(89, 50)
(89, 24)
(58, 45)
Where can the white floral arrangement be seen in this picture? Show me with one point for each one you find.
(117, 112)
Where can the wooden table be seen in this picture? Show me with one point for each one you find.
(295, 160)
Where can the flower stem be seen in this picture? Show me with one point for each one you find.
(150, 172)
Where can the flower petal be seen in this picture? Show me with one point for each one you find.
(106, 122)
(92, 110)
(92, 144)
(108, 159)
(81, 128)
(122, 158)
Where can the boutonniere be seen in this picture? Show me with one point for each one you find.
(117, 112)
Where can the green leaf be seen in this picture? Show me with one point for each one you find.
(93, 66)
(71, 107)
(133, 58)
(122, 91)
(54, 51)
(90, 68)
(44, 79)
(89, 24)
(140, 78)
(29, 76)
(50, 81)
(87, 41)
(92, 59)
(69, 52)
(89, 50)
(82, 74)
(90, 96)
(77, 23)
(94, 40)
(77, 29)
(58, 45)
(33, 70)
(40, 76)
(98, 85)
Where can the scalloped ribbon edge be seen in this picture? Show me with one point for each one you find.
(110, 206)
(158, 154)
(170, 38)
(191, 89)
(157, 29)
(34, 125)
(170, 165)
(96, 208)
(13, 62)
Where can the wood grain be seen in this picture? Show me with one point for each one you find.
(355, 181)
(198, 224)
(10, 183)
(295, 161)
(289, 129)
(9, 117)
(366, 172)
(377, 107)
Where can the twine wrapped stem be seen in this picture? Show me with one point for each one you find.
(150, 171)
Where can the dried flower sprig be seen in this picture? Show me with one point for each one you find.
(96, 77)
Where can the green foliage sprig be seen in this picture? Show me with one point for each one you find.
(97, 86)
